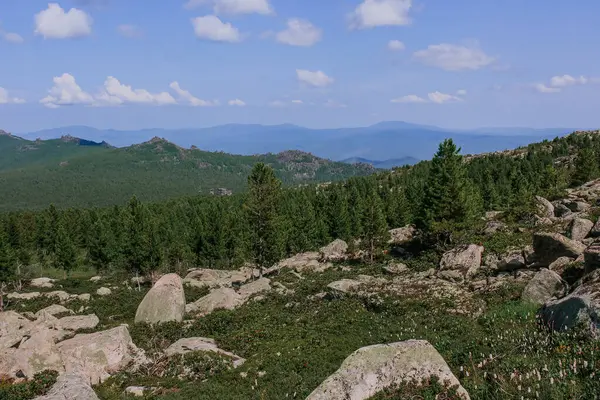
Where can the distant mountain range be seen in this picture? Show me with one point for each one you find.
(392, 140)
(386, 164)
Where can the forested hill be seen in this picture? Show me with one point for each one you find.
(72, 172)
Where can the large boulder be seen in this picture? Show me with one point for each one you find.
(79, 322)
(302, 261)
(221, 298)
(372, 369)
(54, 310)
(42, 282)
(34, 354)
(550, 246)
(13, 326)
(184, 346)
(96, 356)
(258, 286)
(580, 228)
(465, 259)
(163, 303)
(544, 207)
(511, 262)
(23, 296)
(402, 235)
(546, 285)
(334, 251)
(579, 309)
(70, 387)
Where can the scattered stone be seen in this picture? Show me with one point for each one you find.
(70, 387)
(580, 228)
(42, 282)
(545, 208)
(334, 251)
(78, 322)
(551, 246)
(96, 356)
(183, 346)
(396, 268)
(103, 291)
(466, 259)
(138, 391)
(577, 206)
(562, 211)
(491, 215)
(23, 296)
(371, 369)
(345, 286)
(558, 266)
(402, 235)
(163, 303)
(95, 278)
(301, 262)
(53, 310)
(222, 298)
(511, 262)
(546, 285)
(34, 354)
(258, 286)
(492, 227)
(84, 297)
(60, 294)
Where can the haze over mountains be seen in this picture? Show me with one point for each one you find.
(385, 143)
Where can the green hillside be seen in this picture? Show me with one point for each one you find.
(69, 172)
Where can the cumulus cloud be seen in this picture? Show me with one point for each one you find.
(396, 45)
(299, 32)
(567, 80)
(313, 78)
(237, 102)
(66, 92)
(234, 6)
(210, 27)
(411, 98)
(129, 31)
(188, 98)
(433, 97)
(453, 57)
(116, 93)
(373, 13)
(55, 23)
(5, 98)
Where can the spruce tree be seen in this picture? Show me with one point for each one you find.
(65, 256)
(586, 167)
(375, 230)
(262, 207)
(101, 246)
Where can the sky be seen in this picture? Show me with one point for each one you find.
(132, 64)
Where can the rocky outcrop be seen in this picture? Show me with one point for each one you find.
(551, 246)
(402, 235)
(222, 298)
(70, 387)
(163, 303)
(212, 278)
(546, 285)
(96, 356)
(580, 228)
(559, 265)
(250, 289)
(544, 207)
(34, 354)
(79, 322)
(334, 251)
(464, 259)
(23, 296)
(371, 369)
(184, 346)
(396, 268)
(42, 282)
(53, 310)
(511, 262)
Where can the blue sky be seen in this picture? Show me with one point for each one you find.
(129, 64)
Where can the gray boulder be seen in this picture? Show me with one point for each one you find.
(559, 265)
(511, 262)
(402, 235)
(546, 285)
(184, 346)
(70, 387)
(544, 207)
(221, 298)
(42, 282)
(258, 286)
(163, 303)
(549, 247)
(78, 322)
(580, 228)
(372, 369)
(334, 251)
(465, 259)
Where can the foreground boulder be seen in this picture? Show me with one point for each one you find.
(70, 387)
(35, 354)
(580, 309)
(549, 247)
(334, 251)
(96, 356)
(546, 285)
(464, 259)
(184, 346)
(580, 228)
(371, 369)
(163, 303)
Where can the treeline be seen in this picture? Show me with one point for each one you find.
(269, 222)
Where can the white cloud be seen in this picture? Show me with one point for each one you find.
(299, 32)
(540, 87)
(567, 80)
(11, 37)
(6, 99)
(396, 45)
(297, 102)
(461, 92)
(129, 31)
(373, 13)
(453, 57)
(211, 27)
(55, 23)
(313, 78)
(66, 92)
(411, 98)
(187, 97)
(234, 6)
(237, 102)
(441, 98)
(334, 104)
(116, 93)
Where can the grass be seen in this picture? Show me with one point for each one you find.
(292, 344)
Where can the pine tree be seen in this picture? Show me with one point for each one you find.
(65, 257)
(7, 260)
(339, 218)
(261, 206)
(586, 167)
(137, 250)
(375, 230)
(448, 202)
(101, 246)
(355, 209)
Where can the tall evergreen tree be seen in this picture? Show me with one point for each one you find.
(101, 246)
(262, 203)
(375, 230)
(65, 257)
(586, 167)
